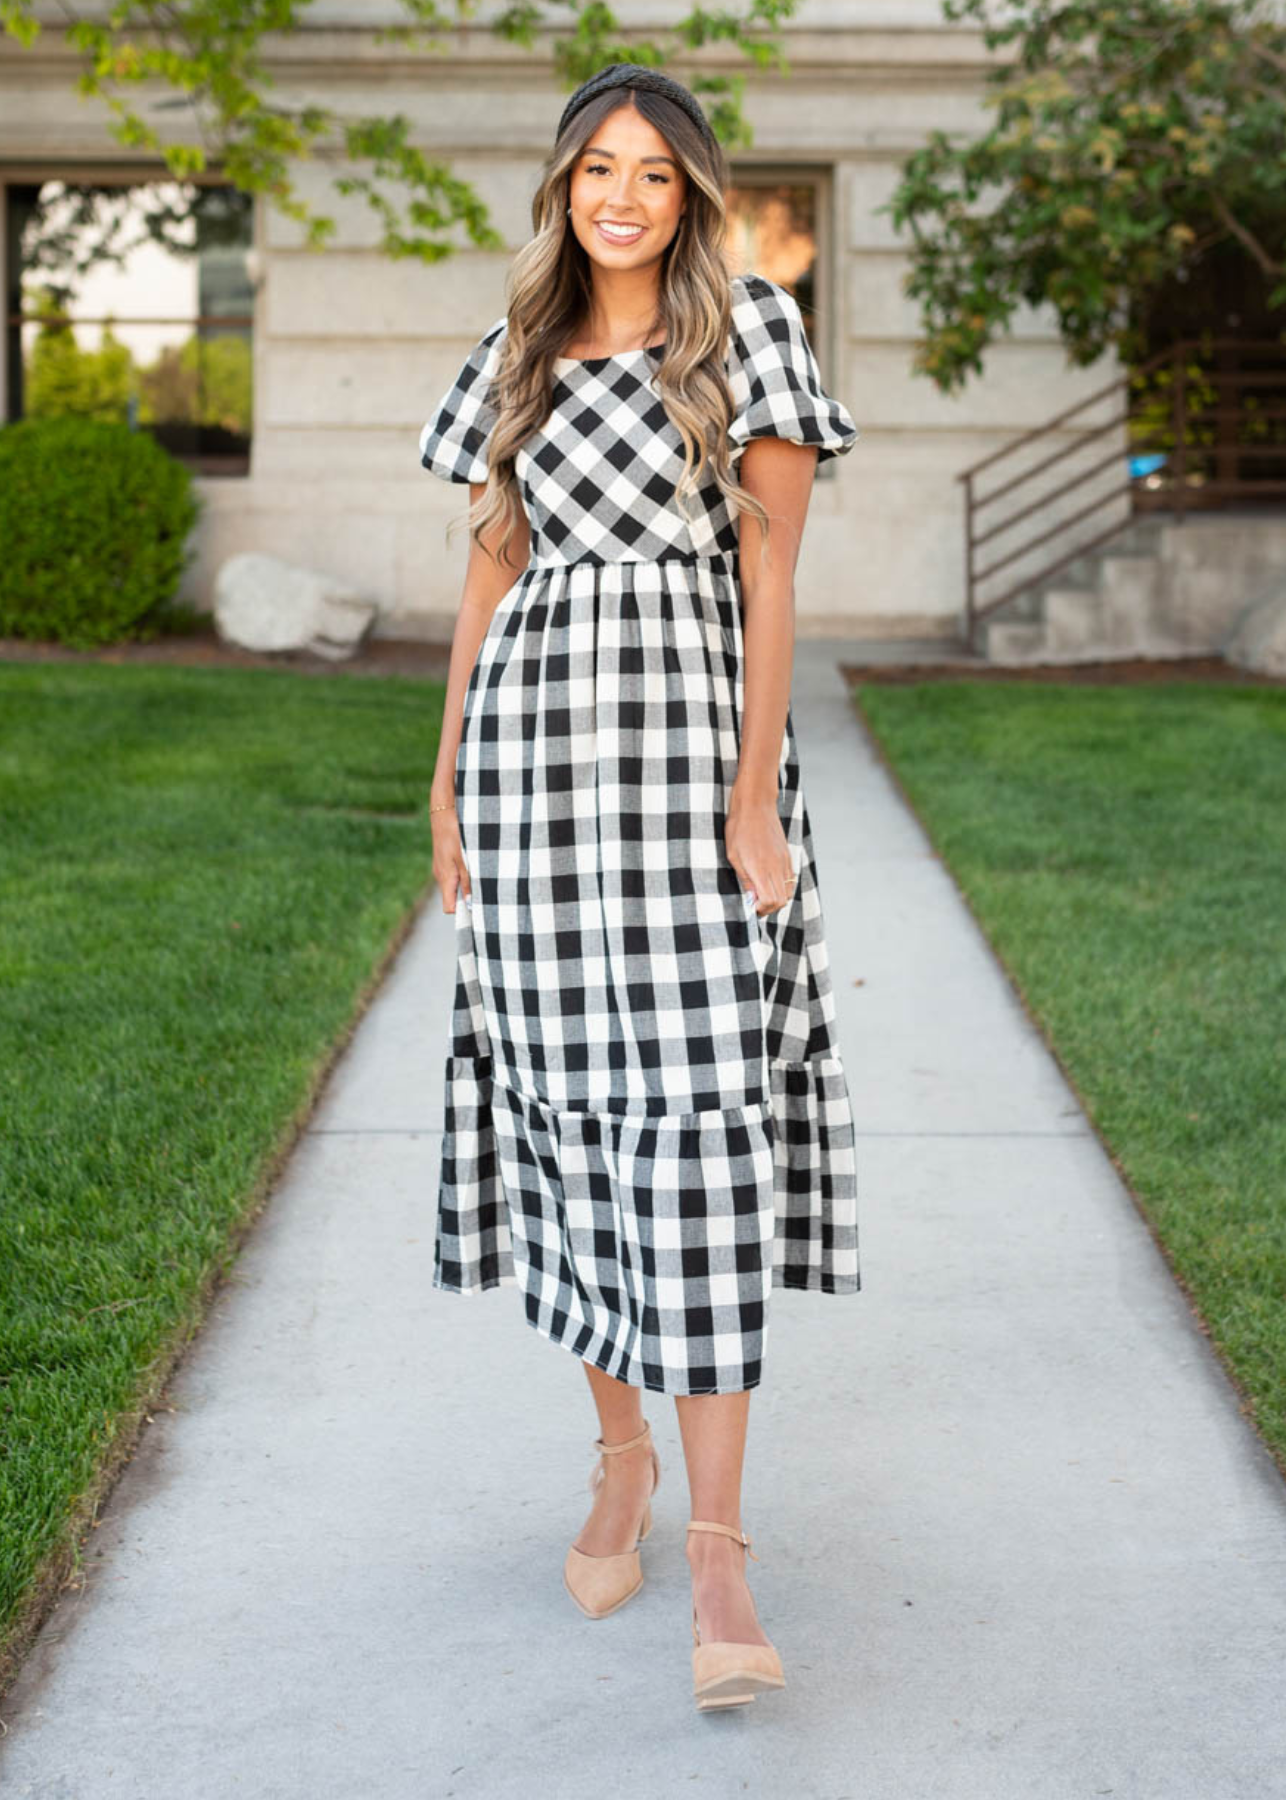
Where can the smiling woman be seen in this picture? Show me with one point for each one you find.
(647, 1119)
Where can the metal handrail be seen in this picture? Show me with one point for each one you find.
(1184, 414)
(1153, 362)
(1104, 462)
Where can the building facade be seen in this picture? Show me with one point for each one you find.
(331, 359)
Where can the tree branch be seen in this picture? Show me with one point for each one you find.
(1270, 56)
(1244, 235)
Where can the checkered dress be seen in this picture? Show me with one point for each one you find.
(647, 1120)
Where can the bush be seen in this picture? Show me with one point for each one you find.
(94, 522)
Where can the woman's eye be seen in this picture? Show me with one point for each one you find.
(602, 169)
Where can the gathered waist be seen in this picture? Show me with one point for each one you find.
(678, 584)
(723, 560)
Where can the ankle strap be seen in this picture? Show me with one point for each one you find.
(727, 1530)
(611, 1449)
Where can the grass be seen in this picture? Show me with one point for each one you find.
(202, 872)
(1125, 851)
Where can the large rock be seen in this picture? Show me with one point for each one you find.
(263, 603)
(1258, 638)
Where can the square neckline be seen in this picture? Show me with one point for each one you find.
(589, 362)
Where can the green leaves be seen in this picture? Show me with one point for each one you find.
(19, 22)
(1128, 141)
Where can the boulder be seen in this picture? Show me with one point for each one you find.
(1257, 640)
(263, 603)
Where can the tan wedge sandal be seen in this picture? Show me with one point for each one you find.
(725, 1674)
(601, 1584)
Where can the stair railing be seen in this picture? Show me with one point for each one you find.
(1181, 434)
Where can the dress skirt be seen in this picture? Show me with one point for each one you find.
(647, 1121)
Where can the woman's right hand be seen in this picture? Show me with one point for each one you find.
(449, 870)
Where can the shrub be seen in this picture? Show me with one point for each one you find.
(94, 522)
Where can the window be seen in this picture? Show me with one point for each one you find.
(773, 230)
(132, 299)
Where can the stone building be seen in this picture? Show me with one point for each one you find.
(349, 350)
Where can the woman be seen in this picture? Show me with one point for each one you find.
(647, 1117)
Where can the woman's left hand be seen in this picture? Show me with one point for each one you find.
(758, 850)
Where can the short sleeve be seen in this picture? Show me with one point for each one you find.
(776, 385)
(453, 444)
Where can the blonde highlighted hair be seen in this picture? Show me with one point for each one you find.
(549, 289)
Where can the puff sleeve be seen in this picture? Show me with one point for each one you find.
(453, 443)
(773, 375)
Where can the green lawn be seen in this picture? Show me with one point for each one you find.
(201, 872)
(1125, 851)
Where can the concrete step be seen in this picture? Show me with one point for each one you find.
(1012, 642)
(1026, 604)
(1103, 603)
(1081, 572)
(1142, 535)
(1130, 586)
(1074, 620)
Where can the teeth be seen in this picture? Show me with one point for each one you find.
(622, 231)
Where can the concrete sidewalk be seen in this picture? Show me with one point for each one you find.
(1016, 1537)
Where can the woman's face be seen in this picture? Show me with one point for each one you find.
(627, 175)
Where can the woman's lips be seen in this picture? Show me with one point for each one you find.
(614, 237)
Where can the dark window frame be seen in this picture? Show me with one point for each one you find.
(106, 174)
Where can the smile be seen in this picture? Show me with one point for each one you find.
(619, 234)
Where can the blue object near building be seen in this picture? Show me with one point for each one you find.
(1147, 465)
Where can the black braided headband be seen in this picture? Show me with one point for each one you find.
(636, 75)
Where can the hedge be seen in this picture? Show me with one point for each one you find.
(94, 523)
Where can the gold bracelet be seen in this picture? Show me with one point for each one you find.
(446, 806)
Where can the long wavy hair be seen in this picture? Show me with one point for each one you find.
(548, 293)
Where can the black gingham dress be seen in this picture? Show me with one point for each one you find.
(647, 1122)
